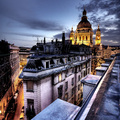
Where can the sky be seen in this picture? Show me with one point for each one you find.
(23, 22)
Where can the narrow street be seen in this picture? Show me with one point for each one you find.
(20, 103)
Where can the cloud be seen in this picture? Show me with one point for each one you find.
(29, 18)
(107, 14)
(43, 25)
(59, 36)
(23, 34)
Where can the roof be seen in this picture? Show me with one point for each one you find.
(91, 79)
(106, 105)
(58, 110)
(101, 68)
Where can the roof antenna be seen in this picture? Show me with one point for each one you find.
(37, 40)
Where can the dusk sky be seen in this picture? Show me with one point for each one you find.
(23, 21)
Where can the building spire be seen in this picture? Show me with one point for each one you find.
(72, 29)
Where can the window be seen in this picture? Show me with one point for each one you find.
(47, 64)
(72, 82)
(78, 96)
(60, 91)
(79, 68)
(72, 100)
(66, 72)
(73, 70)
(86, 37)
(30, 111)
(66, 86)
(78, 87)
(72, 92)
(29, 86)
(59, 77)
(84, 73)
(78, 77)
(57, 62)
(30, 103)
(66, 96)
(83, 37)
(65, 60)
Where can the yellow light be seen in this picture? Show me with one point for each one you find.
(0, 112)
(60, 78)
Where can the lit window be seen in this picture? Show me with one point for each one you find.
(59, 78)
(83, 37)
(29, 86)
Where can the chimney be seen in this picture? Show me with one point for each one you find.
(63, 43)
(44, 41)
(63, 39)
(56, 40)
(52, 41)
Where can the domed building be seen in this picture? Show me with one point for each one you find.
(83, 33)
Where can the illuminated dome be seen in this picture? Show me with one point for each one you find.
(84, 23)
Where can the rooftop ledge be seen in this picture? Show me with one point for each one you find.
(91, 105)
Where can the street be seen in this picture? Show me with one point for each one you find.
(20, 103)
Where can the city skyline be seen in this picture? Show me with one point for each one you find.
(22, 22)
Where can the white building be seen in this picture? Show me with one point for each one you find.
(48, 77)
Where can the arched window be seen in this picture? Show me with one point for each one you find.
(83, 37)
(80, 39)
(86, 37)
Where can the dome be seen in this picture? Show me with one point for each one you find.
(84, 23)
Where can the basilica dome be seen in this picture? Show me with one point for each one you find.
(84, 23)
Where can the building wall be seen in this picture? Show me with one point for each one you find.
(46, 92)
(63, 83)
(86, 90)
(9, 71)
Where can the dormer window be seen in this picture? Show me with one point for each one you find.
(47, 64)
(65, 60)
(72, 59)
(57, 62)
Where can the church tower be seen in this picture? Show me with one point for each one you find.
(98, 37)
(72, 36)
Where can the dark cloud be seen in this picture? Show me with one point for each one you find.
(59, 36)
(24, 34)
(107, 14)
(43, 25)
(27, 17)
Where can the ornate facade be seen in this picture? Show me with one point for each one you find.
(83, 33)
